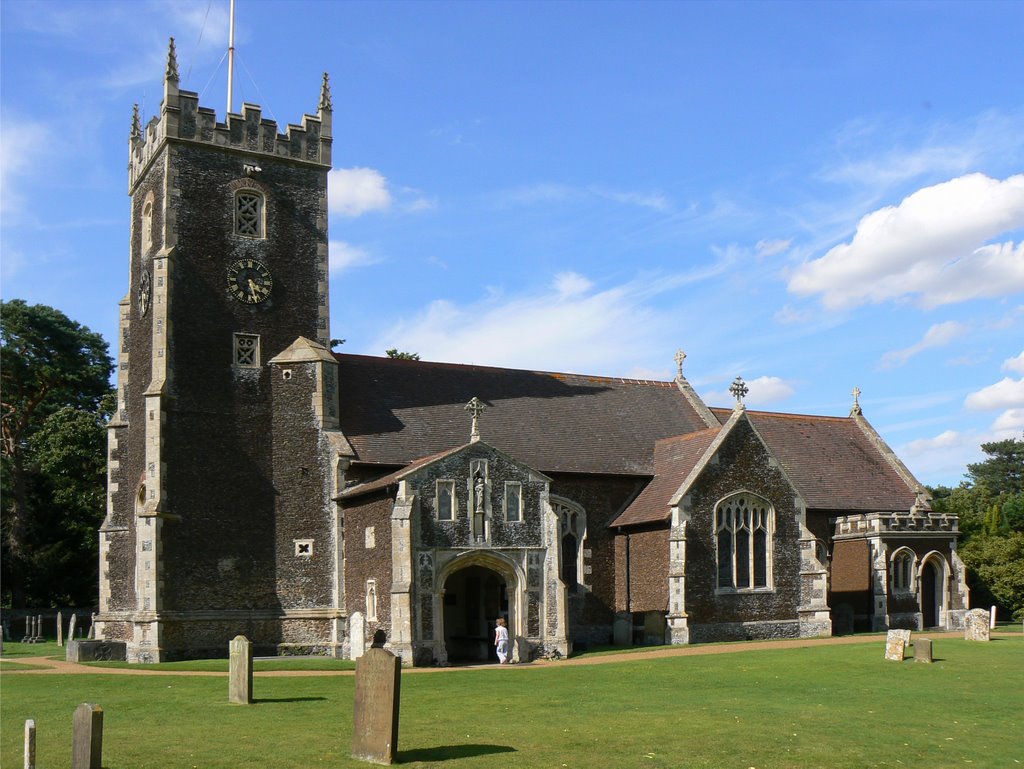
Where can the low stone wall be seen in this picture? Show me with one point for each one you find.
(744, 631)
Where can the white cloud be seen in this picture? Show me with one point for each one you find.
(938, 335)
(934, 244)
(1011, 420)
(789, 314)
(1006, 393)
(763, 390)
(356, 191)
(1014, 364)
(565, 326)
(344, 256)
(571, 284)
(766, 248)
(24, 144)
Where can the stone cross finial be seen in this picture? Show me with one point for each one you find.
(855, 409)
(172, 63)
(680, 357)
(326, 105)
(739, 391)
(475, 407)
(136, 123)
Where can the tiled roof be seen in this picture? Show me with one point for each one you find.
(674, 458)
(831, 461)
(396, 411)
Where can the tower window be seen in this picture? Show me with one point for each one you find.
(249, 213)
(247, 350)
(147, 225)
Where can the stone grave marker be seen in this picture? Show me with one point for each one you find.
(976, 625)
(71, 626)
(92, 627)
(39, 629)
(60, 629)
(87, 738)
(378, 689)
(240, 671)
(30, 744)
(356, 635)
(895, 645)
(923, 650)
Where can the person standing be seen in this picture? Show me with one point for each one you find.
(501, 641)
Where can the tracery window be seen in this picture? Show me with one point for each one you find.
(147, 226)
(903, 571)
(572, 527)
(513, 501)
(744, 526)
(444, 500)
(249, 213)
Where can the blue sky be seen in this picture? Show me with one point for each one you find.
(814, 196)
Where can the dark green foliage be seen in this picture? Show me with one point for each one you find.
(54, 375)
(394, 353)
(990, 506)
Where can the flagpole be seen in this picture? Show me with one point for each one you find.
(231, 57)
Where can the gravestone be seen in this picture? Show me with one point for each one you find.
(30, 744)
(622, 629)
(87, 738)
(378, 689)
(356, 635)
(923, 650)
(60, 629)
(92, 627)
(976, 625)
(81, 650)
(39, 629)
(71, 627)
(895, 645)
(240, 671)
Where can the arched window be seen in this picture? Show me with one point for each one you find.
(572, 528)
(744, 526)
(903, 571)
(249, 213)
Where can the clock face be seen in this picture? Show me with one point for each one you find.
(249, 281)
(144, 293)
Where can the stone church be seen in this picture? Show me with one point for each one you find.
(261, 484)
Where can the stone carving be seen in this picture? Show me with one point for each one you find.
(378, 687)
(895, 645)
(475, 408)
(976, 625)
(739, 391)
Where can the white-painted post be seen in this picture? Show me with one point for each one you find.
(30, 744)
(992, 618)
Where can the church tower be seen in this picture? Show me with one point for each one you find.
(228, 269)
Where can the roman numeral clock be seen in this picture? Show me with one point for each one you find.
(249, 281)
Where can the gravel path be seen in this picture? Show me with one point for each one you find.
(60, 667)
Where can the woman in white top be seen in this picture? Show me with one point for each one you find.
(501, 641)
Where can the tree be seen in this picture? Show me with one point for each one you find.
(394, 353)
(990, 506)
(1003, 471)
(54, 379)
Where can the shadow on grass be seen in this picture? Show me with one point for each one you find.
(269, 700)
(451, 752)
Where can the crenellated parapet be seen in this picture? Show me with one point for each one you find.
(182, 118)
(873, 524)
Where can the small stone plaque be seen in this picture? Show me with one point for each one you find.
(976, 625)
(240, 671)
(378, 688)
(923, 650)
(895, 646)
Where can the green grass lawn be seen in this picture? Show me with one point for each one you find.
(825, 706)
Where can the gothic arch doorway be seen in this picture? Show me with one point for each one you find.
(931, 593)
(474, 593)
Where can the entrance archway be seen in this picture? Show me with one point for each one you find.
(474, 597)
(931, 593)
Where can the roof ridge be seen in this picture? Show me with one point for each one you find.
(595, 378)
(787, 414)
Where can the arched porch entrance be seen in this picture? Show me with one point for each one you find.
(474, 593)
(931, 593)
